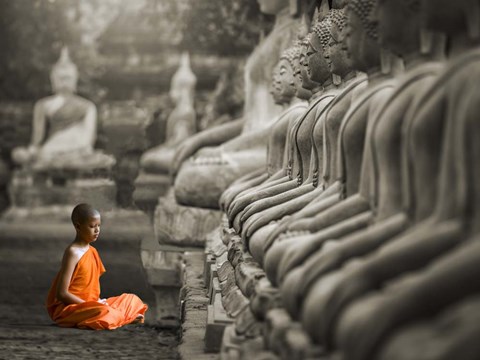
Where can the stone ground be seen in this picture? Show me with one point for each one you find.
(27, 267)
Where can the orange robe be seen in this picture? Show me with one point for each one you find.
(91, 314)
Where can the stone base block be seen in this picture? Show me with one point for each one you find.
(217, 320)
(183, 225)
(100, 192)
(148, 188)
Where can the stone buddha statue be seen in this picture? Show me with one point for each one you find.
(202, 179)
(60, 163)
(288, 92)
(437, 217)
(64, 127)
(180, 123)
(155, 164)
(325, 134)
(386, 182)
(441, 250)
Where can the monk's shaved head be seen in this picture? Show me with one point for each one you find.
(83, 212)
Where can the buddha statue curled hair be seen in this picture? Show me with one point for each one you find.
(338, 18)
(363, 8)
(322, 30)
(292, 54)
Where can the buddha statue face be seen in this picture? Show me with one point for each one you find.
(398, 25)
(337, 56)
(318, 67)
(286, 80)
(275, 87)
(64, 75)
(449, 17)
(303, 73)
(361, 37)
(272, 7)
(64, 81)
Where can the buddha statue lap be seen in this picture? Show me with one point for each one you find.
(61, 154)
(202, 179)
(442, 219)
(453, 334)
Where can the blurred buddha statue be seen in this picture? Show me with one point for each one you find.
(64, 127)
(227, 152)
(155, 164)
(61, 166)
(180, 123)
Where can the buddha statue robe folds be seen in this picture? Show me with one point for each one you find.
(202, 179)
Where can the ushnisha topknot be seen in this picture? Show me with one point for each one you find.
(363, 8)
(292, 54)
(82, 212)
(322, 30)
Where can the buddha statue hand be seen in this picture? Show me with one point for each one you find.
(25, 155)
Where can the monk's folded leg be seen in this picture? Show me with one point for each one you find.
(130, 305)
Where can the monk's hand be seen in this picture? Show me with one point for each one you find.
(102, 301)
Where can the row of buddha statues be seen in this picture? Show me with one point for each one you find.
(350, 217)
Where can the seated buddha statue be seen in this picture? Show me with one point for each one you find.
(180, 123)
(318, 184)
(386, 183)
(438, 219)
(286, 181)
(440, 251)
(236, 149)
(64, 128)
(389, 218)
(288, 92)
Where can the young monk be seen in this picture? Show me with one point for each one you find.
(74, 297)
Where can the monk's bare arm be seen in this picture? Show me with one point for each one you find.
(70, 260)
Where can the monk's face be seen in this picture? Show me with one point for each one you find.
(89, 230)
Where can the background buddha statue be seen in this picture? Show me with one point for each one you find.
(64, 127)
(201, 180)
(181, 122)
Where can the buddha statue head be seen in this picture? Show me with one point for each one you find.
(275, 88)
(399, 25)
(183, 81)
(361, 35)
(286, 75)
(338, 58)
(272, 7)
(452, 17)
(64, 74)
(318, 67)
(303, 72)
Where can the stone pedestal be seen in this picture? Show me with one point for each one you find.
(179, 225)
(148, 188)
(32, 190)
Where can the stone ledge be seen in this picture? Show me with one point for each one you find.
(195, 310)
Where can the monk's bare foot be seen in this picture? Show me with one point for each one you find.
(139, 319)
